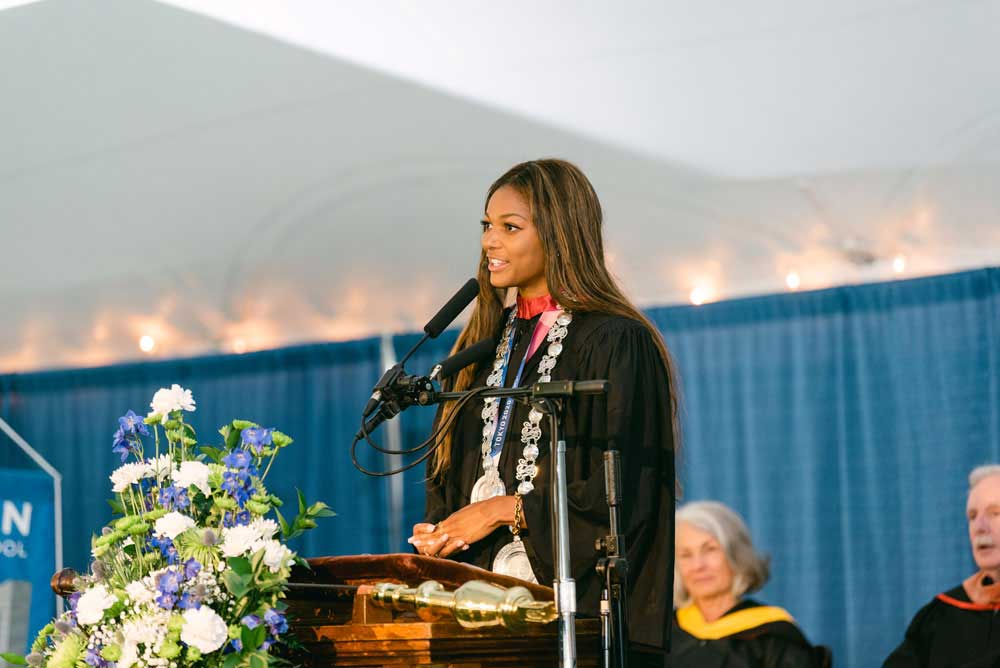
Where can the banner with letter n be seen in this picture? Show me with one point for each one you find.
(27, 556)
(30, 546)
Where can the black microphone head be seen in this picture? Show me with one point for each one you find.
(450, 311)
(477, 352)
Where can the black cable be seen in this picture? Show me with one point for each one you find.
(431, 444)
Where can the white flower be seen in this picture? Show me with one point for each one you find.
(127, 475)
(172, 524)
(139, 592)
(276, 555)
(236, 541)
(91, 606)
(159, 467)
(204, 629)
(265, 528)
(130, 654)
(166, 401)
(192, 473)
(147, 630)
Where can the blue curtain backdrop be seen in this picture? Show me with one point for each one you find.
(840, 423)
(312, 393)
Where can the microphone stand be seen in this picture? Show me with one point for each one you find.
(613, 568)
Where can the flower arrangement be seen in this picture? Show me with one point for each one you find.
(193, 572)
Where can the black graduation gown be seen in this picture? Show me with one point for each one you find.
(635, 416)
(951, 631)
(771, 645)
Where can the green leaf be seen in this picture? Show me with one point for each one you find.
(246, 637)
(257, 561)
(232, 660)
(116, 507)
(232, 439)
(320, 509)
(282, 523)
(258, 660)
(15, 659)
(215, 454)
(302, 502)
(235, 583)
(259, 636)
(241, 565)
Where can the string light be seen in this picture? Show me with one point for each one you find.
(793, 281)
(899, 264)
(146, 343)
(699, 295)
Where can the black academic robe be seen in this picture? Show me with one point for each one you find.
(950, 632)
(777, 644)
(635, 417)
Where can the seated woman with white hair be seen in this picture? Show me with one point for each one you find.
(716, 565)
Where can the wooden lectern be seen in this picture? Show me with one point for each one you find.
(339, 625)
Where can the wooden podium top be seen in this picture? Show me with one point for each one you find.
(409, 569)
(340, 626)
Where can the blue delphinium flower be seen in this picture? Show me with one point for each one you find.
(188, 601)
(276, 622)
(94, 658)
(132, 424)
(237, 459)
(167, 584)
(121, 445)
(166, 547)
(235, 645)
(240, 490)
(73, 599)
(174, 498)
(170, 581)
(191, 568)
(257, 438)
(166, 601)
(126, 439)
(250, 621)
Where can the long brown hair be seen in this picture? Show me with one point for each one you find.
(567, 215)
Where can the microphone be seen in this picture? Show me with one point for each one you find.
(415, 389)
(477, 352)
(432, 329)
(450, 311)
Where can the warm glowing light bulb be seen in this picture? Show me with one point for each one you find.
(899, 264)
(793, 281)
(698, 296)
(146, 343)
(239, 346)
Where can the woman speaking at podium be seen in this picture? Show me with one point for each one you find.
(488, 496)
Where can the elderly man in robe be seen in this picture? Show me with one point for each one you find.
(961, 627)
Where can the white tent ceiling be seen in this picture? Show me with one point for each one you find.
(300, 171)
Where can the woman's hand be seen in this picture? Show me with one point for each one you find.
(464, 527)
(425, 540)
